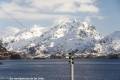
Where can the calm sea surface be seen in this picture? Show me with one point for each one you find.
(93, 69)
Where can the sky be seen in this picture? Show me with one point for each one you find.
(104, 14)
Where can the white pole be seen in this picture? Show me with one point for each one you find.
(72, 69)
(71, 59)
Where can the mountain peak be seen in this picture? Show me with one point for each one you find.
(64, 20)
(69, 34)
(116, 33)
(72, 26)
(113, 36)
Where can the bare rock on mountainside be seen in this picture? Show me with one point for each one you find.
(4, 54)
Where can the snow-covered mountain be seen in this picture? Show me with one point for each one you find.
(24, 34)
(68, 35)
(65, 37)
(22, 38)
(7, 32)
(111, 43)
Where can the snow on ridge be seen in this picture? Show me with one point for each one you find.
(24, 34)
(114, 35)
(9, 31)
(111, 42)
(66, 36)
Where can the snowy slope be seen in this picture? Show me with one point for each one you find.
(18, 41)
(111, 43)
(67, 36)
(7, 32)
(25, 34)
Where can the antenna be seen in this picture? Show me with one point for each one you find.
(13, 18)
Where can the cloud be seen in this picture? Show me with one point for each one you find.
(88, 8)
(84, 6)
(66, 5)
(44, 9)
(90, 17)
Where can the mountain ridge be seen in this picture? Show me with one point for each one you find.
(65, 37)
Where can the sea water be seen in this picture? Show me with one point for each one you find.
(57, 69)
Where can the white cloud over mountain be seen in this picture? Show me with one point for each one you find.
(44, 9)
